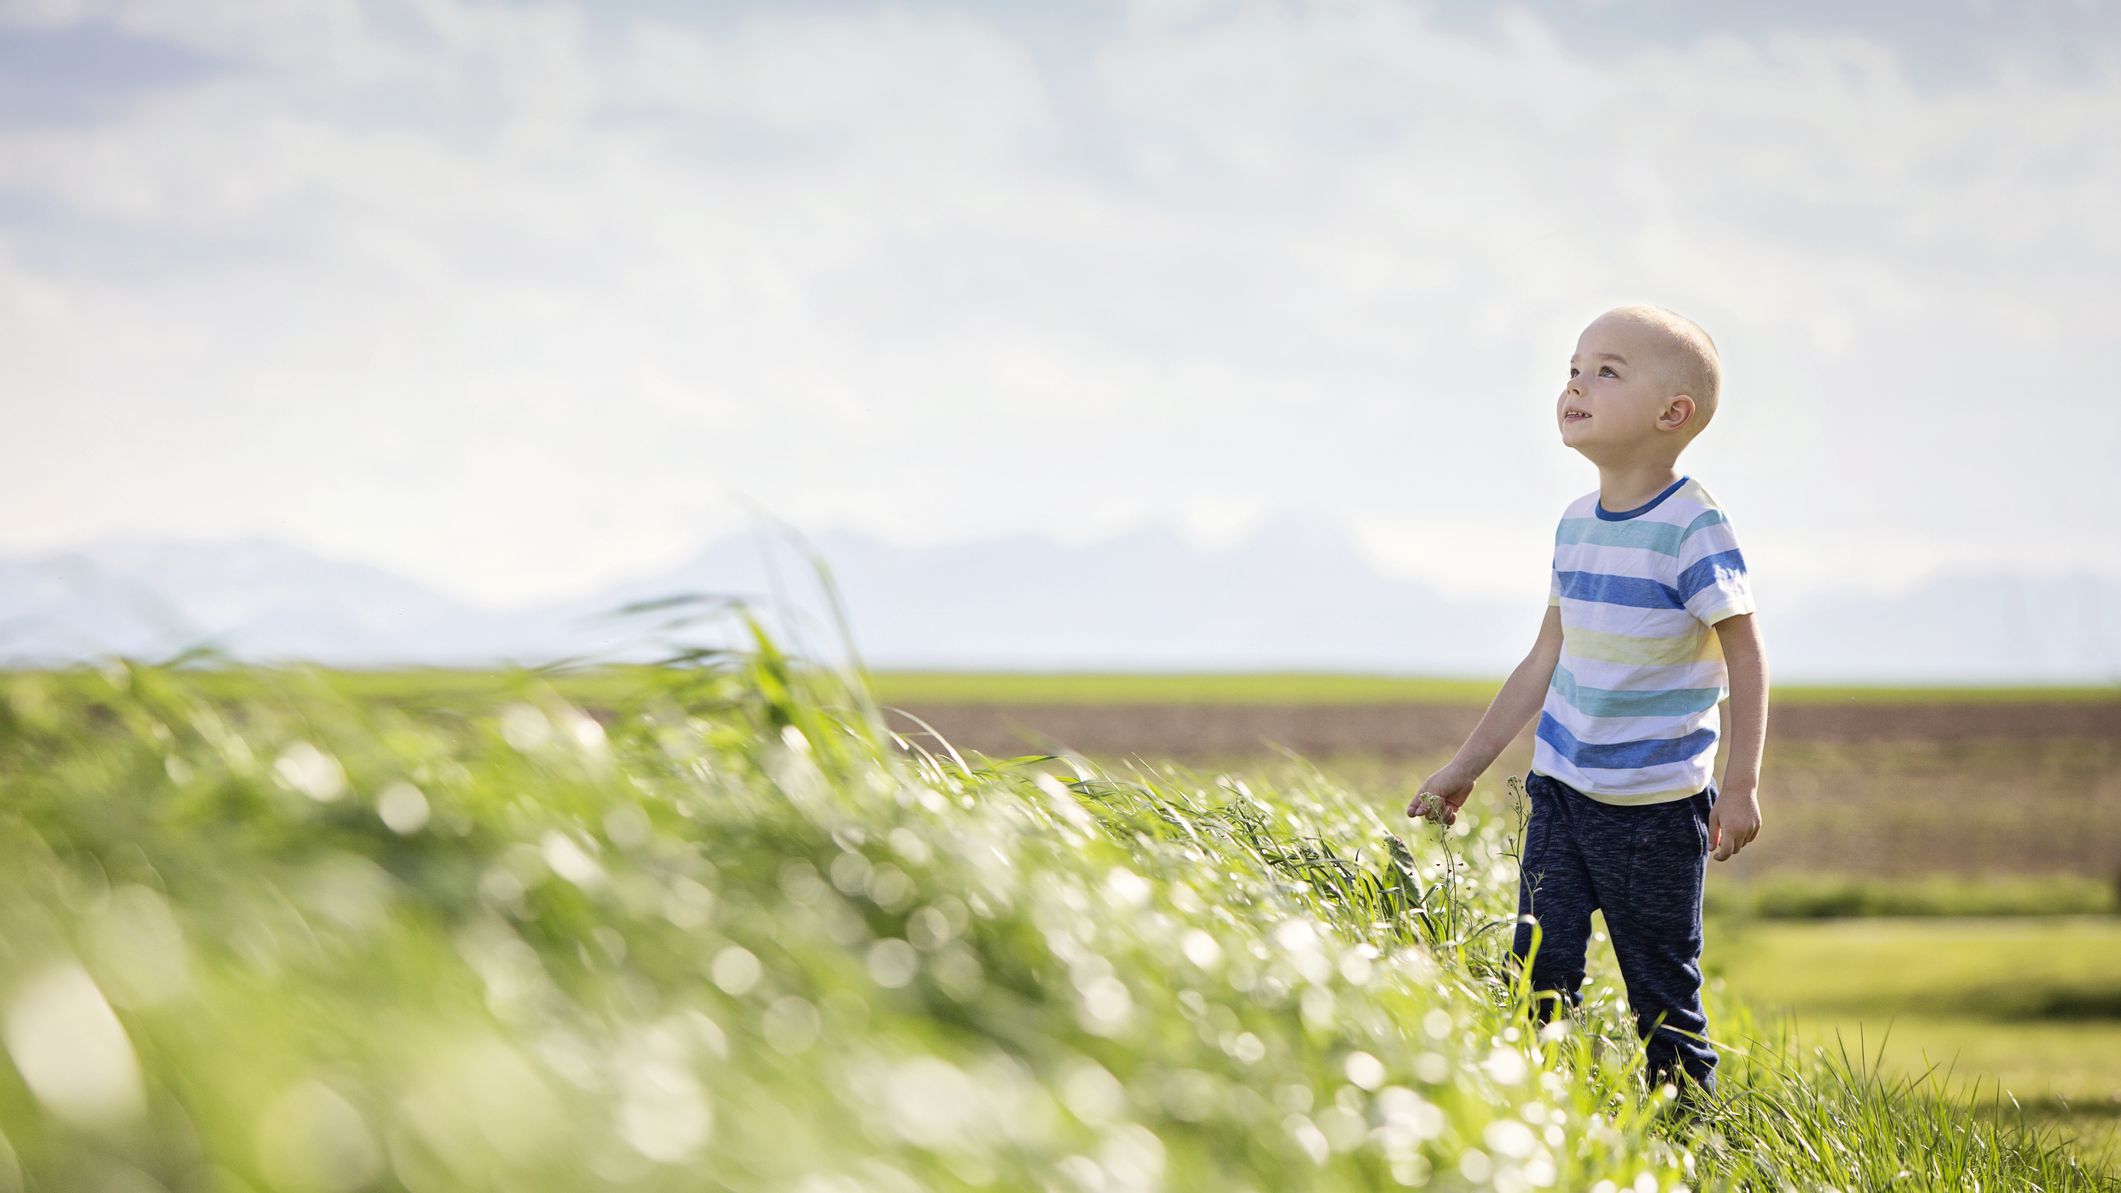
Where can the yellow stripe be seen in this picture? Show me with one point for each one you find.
(1649, 797)
(1605, 647)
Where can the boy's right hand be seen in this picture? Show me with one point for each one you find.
(1441, 795)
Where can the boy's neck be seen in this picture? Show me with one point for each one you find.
(1625, 486)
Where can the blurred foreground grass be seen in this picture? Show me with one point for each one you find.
(267, 931)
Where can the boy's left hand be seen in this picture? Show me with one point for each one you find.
(1733, 822)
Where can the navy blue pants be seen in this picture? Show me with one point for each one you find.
(1644, 867)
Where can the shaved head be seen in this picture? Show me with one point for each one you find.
(1685, 357)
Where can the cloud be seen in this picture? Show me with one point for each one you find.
(518, 297)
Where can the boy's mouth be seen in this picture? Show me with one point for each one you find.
(1574, 416)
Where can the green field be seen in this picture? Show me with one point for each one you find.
(2027, 1006)
(272, 931)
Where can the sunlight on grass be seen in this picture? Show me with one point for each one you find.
(262, 931)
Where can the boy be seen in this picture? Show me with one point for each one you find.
(1626, 677)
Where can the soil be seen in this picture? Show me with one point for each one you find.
(1868, 788)
(1187, 731)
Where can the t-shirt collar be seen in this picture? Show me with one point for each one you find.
(1598, 504)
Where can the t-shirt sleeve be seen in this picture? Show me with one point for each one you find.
(1713, 581)
(1554, 567)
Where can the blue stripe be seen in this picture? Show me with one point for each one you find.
(1661, 537)
(1620, 590)
(1624, 755)
(1709, 570)
(1613, 702)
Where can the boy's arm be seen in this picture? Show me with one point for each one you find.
(1734, 822)
(1520, 698)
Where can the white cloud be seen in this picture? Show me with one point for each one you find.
(517, 297)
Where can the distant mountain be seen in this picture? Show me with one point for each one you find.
(1296, 593)
(255, 598)
(1983, 626)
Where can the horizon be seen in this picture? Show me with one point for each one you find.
(1242, 608)
(1222, 541)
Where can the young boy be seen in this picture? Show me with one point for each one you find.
(1626, 676)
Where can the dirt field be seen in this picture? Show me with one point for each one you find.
(1872, 788)
(1418, 730)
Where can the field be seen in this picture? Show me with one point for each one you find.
(1308, 687)
(2031, 1005)
(1951, 802)
(1877, 784)
(287, 931)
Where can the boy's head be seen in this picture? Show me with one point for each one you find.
(1641, 386)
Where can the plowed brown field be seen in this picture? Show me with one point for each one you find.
(1864, 788)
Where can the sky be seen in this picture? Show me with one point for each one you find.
(517, 299)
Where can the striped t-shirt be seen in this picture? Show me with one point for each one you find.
(1630, 716)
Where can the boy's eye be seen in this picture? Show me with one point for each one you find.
(1607, 369)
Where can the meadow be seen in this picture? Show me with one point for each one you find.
(280, 930)
(1991, 814)
(2029, 1006)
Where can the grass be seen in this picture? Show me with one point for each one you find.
(2055, 967)
(2033, 1006)
(273, 930)
(1995, 826)
(1802, 895)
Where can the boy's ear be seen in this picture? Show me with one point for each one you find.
(1678, 411)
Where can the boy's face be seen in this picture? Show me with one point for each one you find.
(1617, 392)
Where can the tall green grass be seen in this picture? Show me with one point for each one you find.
(260, 931)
